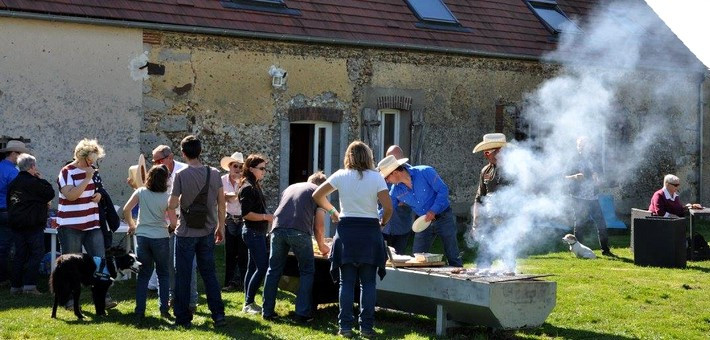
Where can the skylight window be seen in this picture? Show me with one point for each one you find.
(552, 16)
(273, 6)
(433, 11)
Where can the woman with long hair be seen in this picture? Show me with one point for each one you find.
(256, 225)
(358, 251)
(153, 236)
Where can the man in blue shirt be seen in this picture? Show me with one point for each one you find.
(8, 172)
(421, 188)
(397, 231)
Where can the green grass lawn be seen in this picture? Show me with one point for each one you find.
(607, 298)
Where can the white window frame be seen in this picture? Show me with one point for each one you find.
(381, 116)
(317, 125)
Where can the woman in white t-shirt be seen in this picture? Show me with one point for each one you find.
(358, 250)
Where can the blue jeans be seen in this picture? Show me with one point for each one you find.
(445, 227)
(171, 274)
(186, 249)
(283, 240)
(349, 273)
(29, 249)
(71, 241)
(258, 263)
(5, 245)
(153, 250)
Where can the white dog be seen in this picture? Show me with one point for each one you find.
(577, 248)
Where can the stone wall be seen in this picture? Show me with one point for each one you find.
(219, 88)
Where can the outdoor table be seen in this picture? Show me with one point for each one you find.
(694, 214)
(131, 242)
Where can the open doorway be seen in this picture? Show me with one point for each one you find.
(310, 149)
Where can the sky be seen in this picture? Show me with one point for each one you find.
(690, 21)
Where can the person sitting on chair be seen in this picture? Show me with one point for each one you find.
(665, 202)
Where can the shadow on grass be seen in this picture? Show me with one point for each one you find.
(571, 333)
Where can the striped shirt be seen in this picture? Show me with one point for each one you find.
(81, 213)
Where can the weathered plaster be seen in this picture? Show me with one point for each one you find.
(64, 82)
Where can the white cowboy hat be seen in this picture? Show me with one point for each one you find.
(490, 141)
(389, 163)
(236, 157)
(138, 173)
(16, 146)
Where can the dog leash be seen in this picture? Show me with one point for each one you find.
(123, 239)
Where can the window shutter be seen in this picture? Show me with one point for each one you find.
(417, 140)
(371, 128)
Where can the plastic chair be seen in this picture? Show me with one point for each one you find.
(607, 205)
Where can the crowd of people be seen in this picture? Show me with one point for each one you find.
(182, 210)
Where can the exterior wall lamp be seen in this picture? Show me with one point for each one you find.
(278, 76)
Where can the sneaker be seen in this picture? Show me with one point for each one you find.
(302, 319)
(368, 333)
(110, 303)
(32, 291)
(345, 333)
(220, 323)
(252, 308)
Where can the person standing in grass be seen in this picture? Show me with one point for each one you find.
(256, 225)
(153, 236)
(197, 232)
(235, 251)
(358, 251)
(296, 221)
(8, 172)
(28, 198)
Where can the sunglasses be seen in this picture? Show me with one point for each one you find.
(159, 161)
(675, 184)
(236, 166)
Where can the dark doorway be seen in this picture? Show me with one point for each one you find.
(301, 153)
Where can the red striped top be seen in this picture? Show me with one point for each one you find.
(81, 213)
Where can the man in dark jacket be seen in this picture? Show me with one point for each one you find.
(28, 198)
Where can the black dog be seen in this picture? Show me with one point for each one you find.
(73, 270)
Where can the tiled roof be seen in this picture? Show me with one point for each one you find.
(496, 26)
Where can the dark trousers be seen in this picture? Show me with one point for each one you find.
(236, 256)
(29, 249)
(5, 245)
(584, 210)
(398, 242)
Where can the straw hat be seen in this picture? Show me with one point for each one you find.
(389, 163)
(16, 146)
(236, 157)
(490, 141)
(138, 173)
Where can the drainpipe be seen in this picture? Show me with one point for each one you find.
(700, 135)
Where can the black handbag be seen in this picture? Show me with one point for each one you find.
(196, 214)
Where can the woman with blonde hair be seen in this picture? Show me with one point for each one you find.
(78, 209)
(358, 250)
